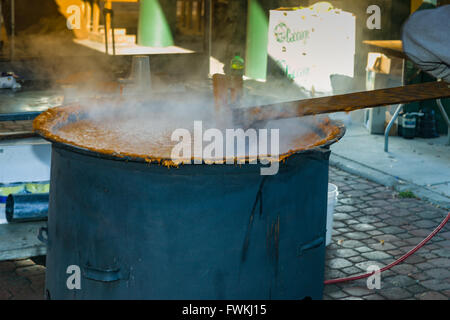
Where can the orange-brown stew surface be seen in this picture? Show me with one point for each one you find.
(142, 137)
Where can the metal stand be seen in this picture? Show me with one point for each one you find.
(389, 126)
(445, 116)
(397, 112)
(395, 116)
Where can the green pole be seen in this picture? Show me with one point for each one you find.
(153, 28)
(257, 39)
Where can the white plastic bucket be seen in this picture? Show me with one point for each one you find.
(332, 199)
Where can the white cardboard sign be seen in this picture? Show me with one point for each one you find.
(310, 46)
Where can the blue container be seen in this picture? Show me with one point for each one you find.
(141, 231)
(26, 207)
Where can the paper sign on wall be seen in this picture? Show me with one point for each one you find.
(309, 46)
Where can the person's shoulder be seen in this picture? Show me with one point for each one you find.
(442, 11)
(439, 15)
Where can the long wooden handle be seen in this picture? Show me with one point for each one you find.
(345, 102)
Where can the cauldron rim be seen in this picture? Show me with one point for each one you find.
(85, 151)
(47, 135)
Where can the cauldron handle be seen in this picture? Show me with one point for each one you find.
(105, 274)
(41, 237)
(316, 243)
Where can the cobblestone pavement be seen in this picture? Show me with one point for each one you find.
(21, 280)
(373, 225)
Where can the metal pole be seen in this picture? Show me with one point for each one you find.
(397, 112)
(106, 32)
(445, 116)
(95, 16)
(111, 14)
(13, 28)
(2, 22)
(388, 128)
(106, 43)
(208, 33)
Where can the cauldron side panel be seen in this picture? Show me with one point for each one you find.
(301, 219)
(142, 231)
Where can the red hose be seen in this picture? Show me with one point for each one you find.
(404, 257)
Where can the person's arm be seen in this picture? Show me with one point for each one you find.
(426, 41)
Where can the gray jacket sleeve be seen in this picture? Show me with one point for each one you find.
(426, 41)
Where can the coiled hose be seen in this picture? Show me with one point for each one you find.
(403, 258)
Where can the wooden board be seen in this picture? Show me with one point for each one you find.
(132, 49)
(19, 241)
(16, 129)
(344, 103)
(120, 39)
(389, 47)
(396, 45)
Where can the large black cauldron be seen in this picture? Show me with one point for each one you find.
(143, 231)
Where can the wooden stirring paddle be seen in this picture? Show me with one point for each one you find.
(338, 103)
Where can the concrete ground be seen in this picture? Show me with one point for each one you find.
(419, 165)
(373, 225)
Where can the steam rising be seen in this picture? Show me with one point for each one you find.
(145, 122)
